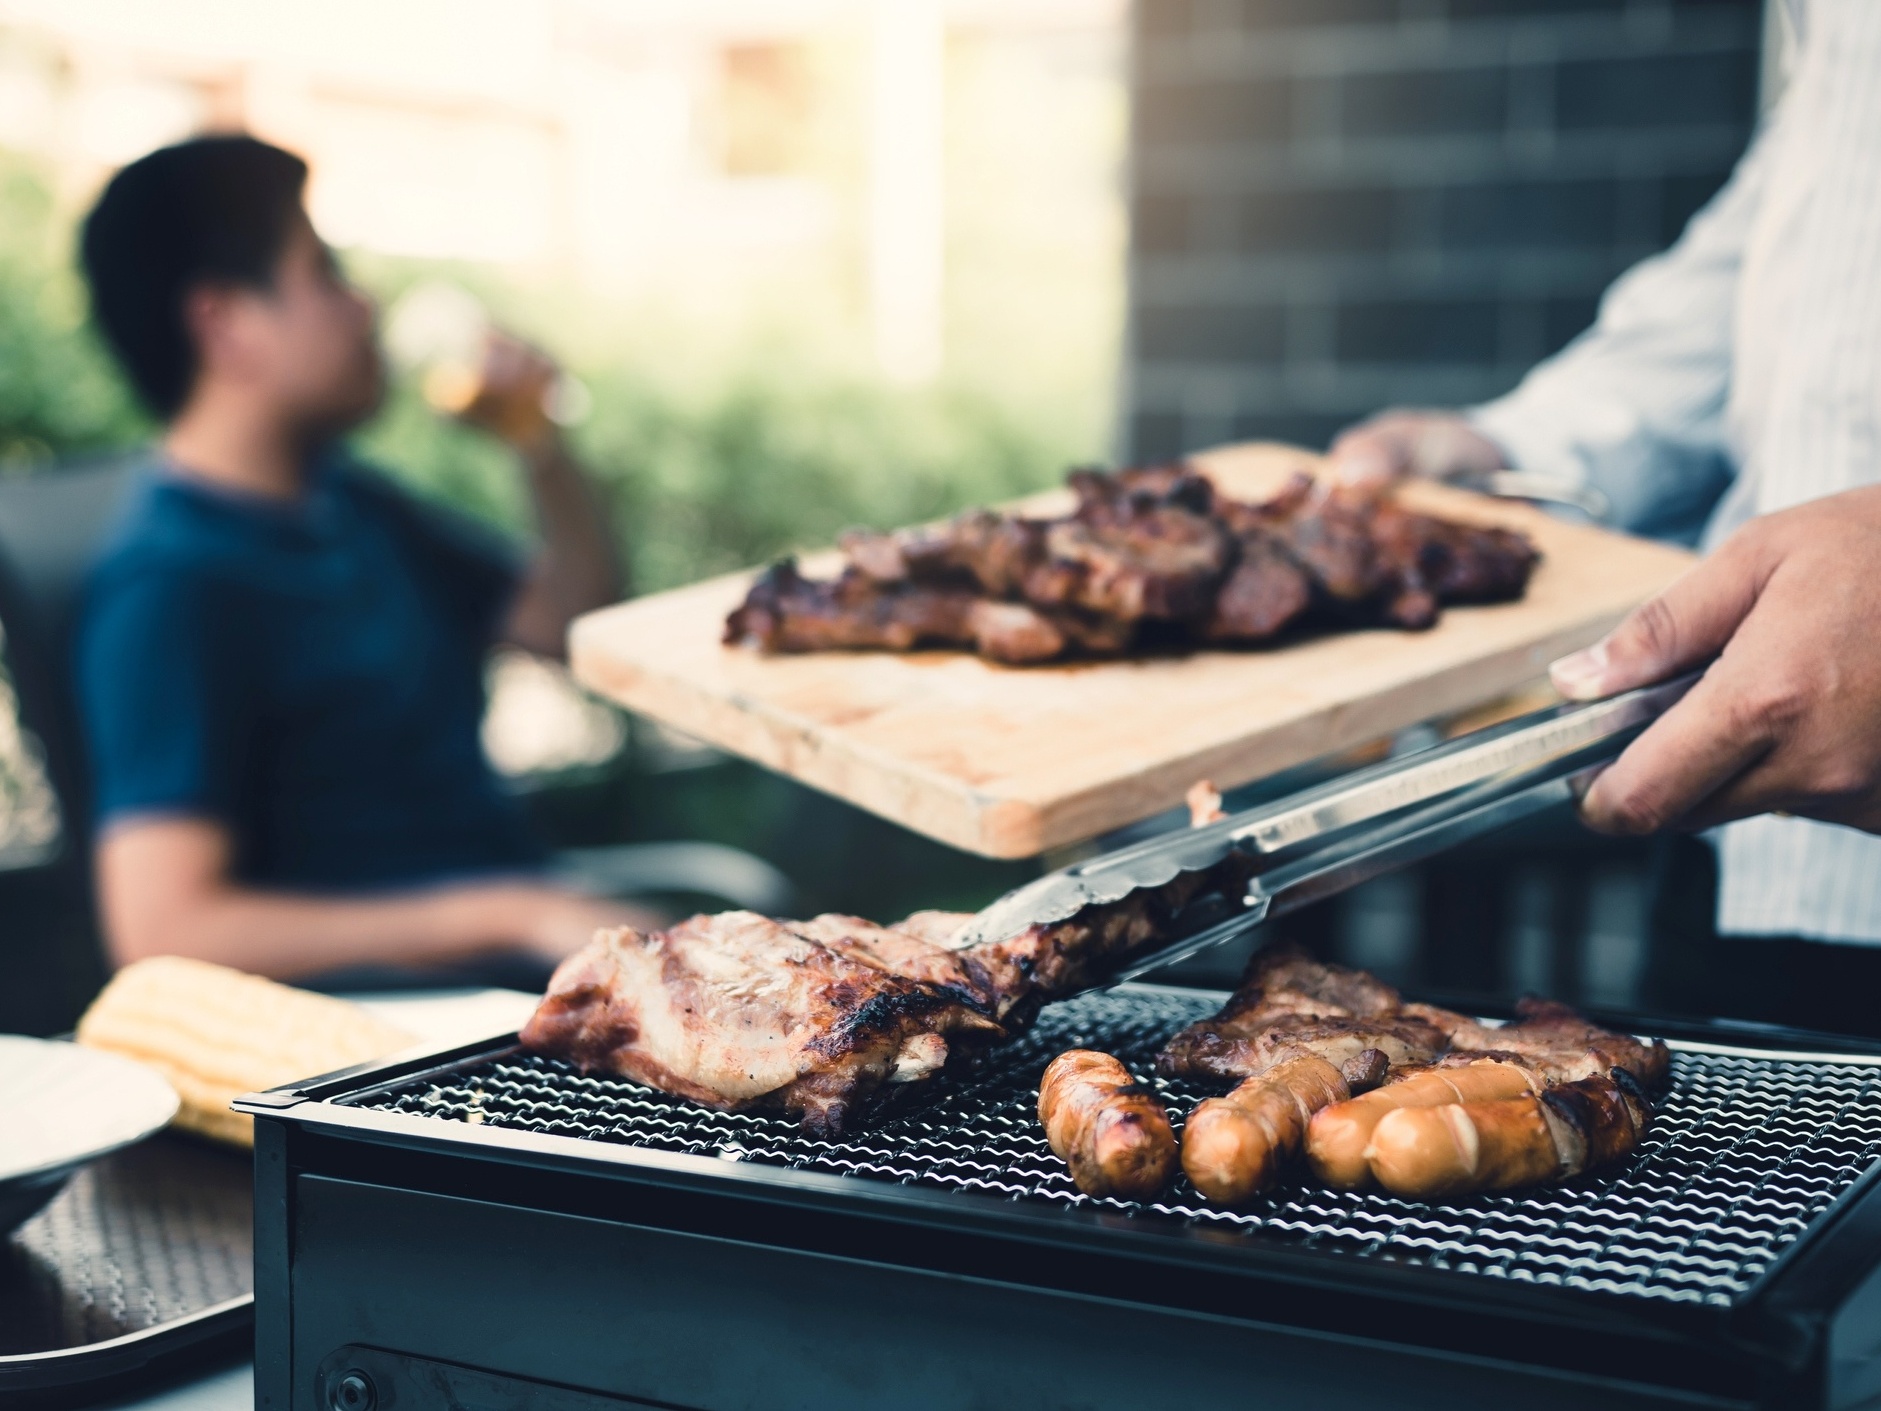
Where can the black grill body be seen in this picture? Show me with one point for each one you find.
(485, 1227)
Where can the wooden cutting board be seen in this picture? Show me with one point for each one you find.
(1009, 762)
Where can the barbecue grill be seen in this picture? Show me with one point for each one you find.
(486, 1227)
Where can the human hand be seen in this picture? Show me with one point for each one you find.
(1788, 718)
(1438, 445)
(512, 393)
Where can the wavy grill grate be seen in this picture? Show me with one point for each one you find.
(1743, 1154)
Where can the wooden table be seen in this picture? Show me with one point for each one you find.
(1009, 762)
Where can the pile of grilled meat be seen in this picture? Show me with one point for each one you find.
(1150, 557)
(819, 1019)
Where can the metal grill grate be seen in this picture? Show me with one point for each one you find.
(1744, 1153)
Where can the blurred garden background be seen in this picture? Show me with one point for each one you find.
(816, 262)
(830, 262)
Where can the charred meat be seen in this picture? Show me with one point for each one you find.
(786, 612)
(817, 1018)
(737, 1011)
(1149, 554)
(1455, 1106)
(1553, 1041)
(1289, 1005)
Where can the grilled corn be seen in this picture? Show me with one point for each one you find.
(217, 1033)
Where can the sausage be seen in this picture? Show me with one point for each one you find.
(1462, 1148)
(1235, 1146)
(1108, 1128)
(1337, 1137)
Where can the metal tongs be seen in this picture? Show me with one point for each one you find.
(1325, 839)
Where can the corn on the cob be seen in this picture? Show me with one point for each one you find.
(217, 1033)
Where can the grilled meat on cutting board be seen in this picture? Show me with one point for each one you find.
(1150, 556)
(816, 1018)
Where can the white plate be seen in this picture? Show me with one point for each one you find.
(62, 1106)
(444, 1018)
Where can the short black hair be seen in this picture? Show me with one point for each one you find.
(210, 210)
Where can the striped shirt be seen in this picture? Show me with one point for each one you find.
(1740, 373)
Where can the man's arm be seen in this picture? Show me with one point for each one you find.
(164, 889)
(1788, 718)
(577, 567)
(1632, 409)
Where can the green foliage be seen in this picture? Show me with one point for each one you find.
(773, 459)
(727, 457)
(59, 393)
(769, 449)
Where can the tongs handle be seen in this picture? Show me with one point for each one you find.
(1565, 736)
(1569, 757)
(1366, 853)
(1604, 727)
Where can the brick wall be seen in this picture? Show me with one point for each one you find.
(1343, 204)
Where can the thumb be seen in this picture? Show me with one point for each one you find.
(1687, 624)
(1373, 453)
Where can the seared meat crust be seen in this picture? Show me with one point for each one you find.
(1288, 1004)
(1153, 545)
(1465, 1106)
(737, 1011)
(786, 612)
(1553, 1041)
(816, 1017)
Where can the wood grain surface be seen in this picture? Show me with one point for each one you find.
(1011, 761)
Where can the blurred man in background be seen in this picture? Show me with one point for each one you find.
(1736, 376)
(281, 655)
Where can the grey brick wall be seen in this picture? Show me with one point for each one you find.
(1339, 205)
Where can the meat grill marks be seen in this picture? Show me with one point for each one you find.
(1289, 1003)
(1463, 1106)
(737, 1011)
(786, 612)
(1288, 1006)
(1150, 555)
(816, 1018)
(1553, 1041)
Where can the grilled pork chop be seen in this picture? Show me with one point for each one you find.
(1551, 1040)
(815, 1017)
(737, 1011)
(1289, 1005)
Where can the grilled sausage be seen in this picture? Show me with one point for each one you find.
(1462, 1148)
(1337, 1137)
(1107, 1127)
(1235, 1146)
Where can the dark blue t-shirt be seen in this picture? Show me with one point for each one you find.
(310, 674)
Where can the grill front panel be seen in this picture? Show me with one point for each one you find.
(1744, 1152)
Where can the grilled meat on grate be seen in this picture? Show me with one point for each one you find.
(1556, 1134)
(1474, 1106)
(815, 1017)
(1149, 554)
(736, 1011)
(1289, 1005)
(1551, 1040)
(1109, 1129)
